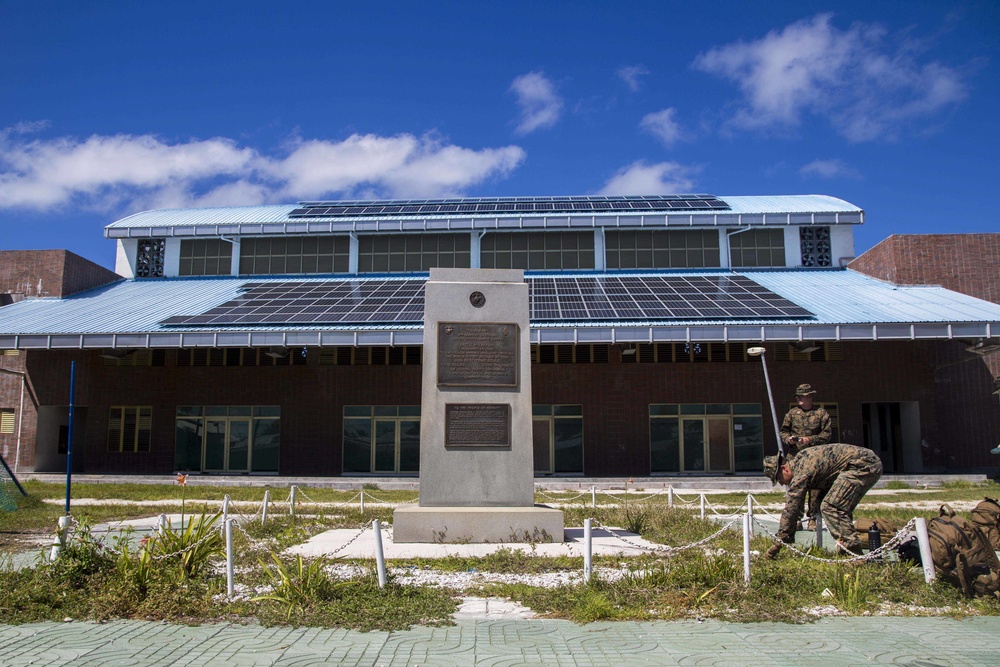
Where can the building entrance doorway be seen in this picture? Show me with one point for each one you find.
(382, 439)
(705, 444)
(892, 430)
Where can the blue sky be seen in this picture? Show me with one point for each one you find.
(109, 108)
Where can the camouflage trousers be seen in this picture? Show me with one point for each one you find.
(845, 494)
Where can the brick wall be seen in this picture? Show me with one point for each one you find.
(49, 273)
(966, 263)
(958, 424)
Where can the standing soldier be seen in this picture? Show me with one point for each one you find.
(839, 474)
(805, 425)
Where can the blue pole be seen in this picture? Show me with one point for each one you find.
(69, 435)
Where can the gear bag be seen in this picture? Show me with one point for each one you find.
(962, 555)
(986, 515)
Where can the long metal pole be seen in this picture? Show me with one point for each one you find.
(770, 398)
(69, 435)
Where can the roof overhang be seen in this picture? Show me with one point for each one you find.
(542, 334)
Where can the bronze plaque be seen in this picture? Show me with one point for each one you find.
(476, 425)
(477, 354)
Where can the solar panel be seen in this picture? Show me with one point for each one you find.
(508, 205)
(354, 301)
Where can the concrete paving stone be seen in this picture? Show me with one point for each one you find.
(917, 642)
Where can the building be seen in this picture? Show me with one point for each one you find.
(287, 339)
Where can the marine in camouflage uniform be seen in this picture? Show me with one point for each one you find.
(805, 421)
(840, 474)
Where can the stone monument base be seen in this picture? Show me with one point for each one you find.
(477, 524)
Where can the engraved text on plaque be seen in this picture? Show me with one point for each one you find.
(476, 425)
(473, 354)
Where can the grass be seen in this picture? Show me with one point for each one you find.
(122, 580)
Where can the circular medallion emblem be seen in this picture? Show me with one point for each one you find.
(477, 299)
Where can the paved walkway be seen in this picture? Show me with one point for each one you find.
(918, 642)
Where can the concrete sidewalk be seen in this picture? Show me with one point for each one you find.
(923, 642)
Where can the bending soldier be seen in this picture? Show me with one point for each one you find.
(805, 425)
(840, 474)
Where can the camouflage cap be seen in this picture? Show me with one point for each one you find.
(771, 466)
(804, 390)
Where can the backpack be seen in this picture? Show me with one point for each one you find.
(886, 528)
(986, 515)
(962, 555)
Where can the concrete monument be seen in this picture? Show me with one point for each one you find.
(476, 465)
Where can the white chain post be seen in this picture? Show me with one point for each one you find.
(926, 560)
(162, 524)
(588, 550)
(59, 541)
(291, 501)
(670, 496)
(229, 557)
(747, 518)
(263, 511)
(593, 496)
(225, 508)
(703, 506)
(362, 501)
(379, 556)
(750, 506)
(819, 531)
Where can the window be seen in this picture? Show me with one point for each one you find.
(295, 254)
(694, 352)
(570, 354)
(557, 437)
(243, 356)
(757, 247)
(537, 250)
(383, 439)
(149, 258)
(816, 249)
(121, 357)
(705, 437)
(129, 428)
(394, 253)
(6, 421)
(809, 351)
(206, 257)
(405, 355)
(228, 438)
(661, 249)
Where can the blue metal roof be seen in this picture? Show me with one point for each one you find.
(847, 306)
(263, 220)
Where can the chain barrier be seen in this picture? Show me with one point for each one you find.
(740, 511)
(300, 492)
(763, 510)
(253, 541)
(351, 541)
(389, 502)
(190, 547)
(561, 500)
(677, 496)
(903, 533)
(664, 548)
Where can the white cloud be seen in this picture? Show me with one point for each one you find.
(662, 125)
(540, 104)
(866, 85)
(121, 172)
(830, 169)
(630, 75)
(639, 178)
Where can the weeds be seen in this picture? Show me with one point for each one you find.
(300, 584)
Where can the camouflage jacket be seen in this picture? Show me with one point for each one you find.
(815, 469)
(814, 423)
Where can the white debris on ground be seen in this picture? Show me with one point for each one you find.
(462, 581)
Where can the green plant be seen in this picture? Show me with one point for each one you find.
(192, 546)
(897, 484)
(370, 486)
(636, 520)
(848, 591)
(299, 585)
